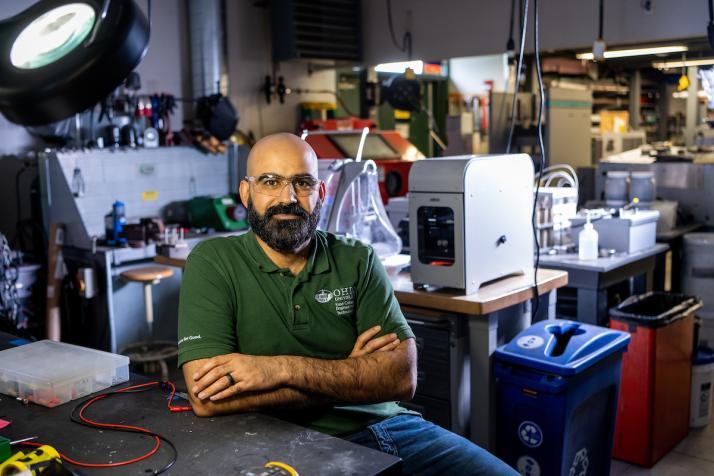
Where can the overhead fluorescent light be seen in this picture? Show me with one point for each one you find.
(399, 67)
(656, 50)
(685, 94)
(682, 64)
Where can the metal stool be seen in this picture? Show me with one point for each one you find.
(152, 354)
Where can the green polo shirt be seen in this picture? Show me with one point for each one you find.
(235, 299)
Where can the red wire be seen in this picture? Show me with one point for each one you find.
(172, 407)
(153, 451)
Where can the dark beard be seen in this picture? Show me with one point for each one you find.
(284, 235)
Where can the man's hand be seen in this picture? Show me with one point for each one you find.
(252, 374)
(365, 343)
(248, 373)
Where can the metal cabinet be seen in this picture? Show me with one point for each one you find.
(443, 387)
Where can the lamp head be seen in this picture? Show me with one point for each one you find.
(59, 57)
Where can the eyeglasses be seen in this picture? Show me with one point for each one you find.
(273, 185)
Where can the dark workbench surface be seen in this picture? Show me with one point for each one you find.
(221, 445)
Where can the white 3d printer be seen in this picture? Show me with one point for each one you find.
(470, 219)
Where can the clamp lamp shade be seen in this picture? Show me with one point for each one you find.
(60, 57)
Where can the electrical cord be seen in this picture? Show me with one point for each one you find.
(710, 26)
(406, 46)
(518, 77)
(600, 21)
(78, 416)
(541, 107)
(510, 45)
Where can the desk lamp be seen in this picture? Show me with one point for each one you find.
(60, 57)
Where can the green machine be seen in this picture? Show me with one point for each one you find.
(220, 213)
(352, 88)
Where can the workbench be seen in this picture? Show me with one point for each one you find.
(476, 324)
(590, 279)
(456, 335)
(166, 261)
(219, 445)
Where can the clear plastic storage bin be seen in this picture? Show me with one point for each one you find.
(52, 373)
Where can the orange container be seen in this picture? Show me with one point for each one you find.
(653, 409)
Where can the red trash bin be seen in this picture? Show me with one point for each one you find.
(653, 409)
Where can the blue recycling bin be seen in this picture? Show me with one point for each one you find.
(557, 384)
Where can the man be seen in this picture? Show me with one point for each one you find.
(289, 319)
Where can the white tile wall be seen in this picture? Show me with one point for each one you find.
(116, 175)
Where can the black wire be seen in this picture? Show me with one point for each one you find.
(18, 205)
(510, 25)
(541, 107)
(75, 411)
(518, 77)
(406, 46)
(391, 27)
(711, 11)
(342, 103)
(520, 17)
(600, 21)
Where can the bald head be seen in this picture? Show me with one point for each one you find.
(283, 218)
(282, 154)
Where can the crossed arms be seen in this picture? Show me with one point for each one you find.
(378, 369)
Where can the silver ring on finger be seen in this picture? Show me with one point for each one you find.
(231, 381)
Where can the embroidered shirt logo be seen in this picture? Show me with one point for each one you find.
(323, 296)
(344, 300)
(188, 338)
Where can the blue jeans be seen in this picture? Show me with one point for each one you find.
(426, 448)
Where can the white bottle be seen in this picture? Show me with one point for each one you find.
(588, 242)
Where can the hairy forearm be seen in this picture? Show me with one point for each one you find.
(279, 399)
(372, 378)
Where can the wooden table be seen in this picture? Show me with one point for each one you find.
(495, 314)
(490, 298)
(166, 261)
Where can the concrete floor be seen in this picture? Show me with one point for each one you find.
(694, 456)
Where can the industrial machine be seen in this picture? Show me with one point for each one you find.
(556, 204)
(567, 124)
(690, 184)
(606, 144)
(626, 231)
(219, 213)
(470, 219)
(393, 155)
